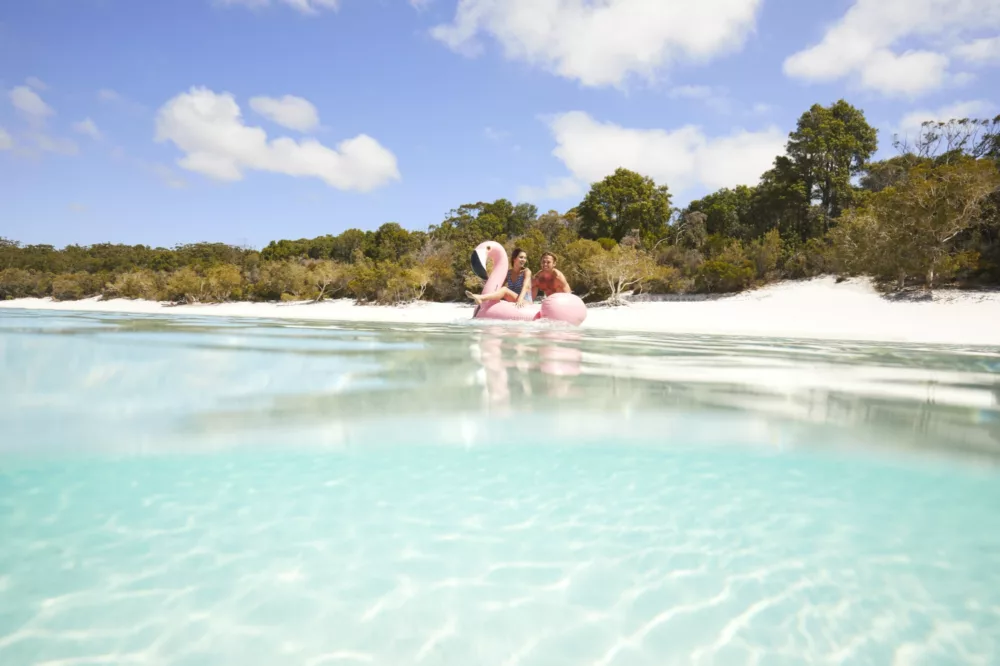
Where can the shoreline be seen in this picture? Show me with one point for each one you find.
(817, 308)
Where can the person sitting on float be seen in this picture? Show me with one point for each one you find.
(516, 288)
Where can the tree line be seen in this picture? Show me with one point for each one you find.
(927, 217)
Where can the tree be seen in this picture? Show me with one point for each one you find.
(912, 228)
(975, 137)
(829, 146)
(622, 202)
(692, 231)
(620, 269)
(727, 212)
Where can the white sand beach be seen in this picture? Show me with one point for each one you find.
(819, 308)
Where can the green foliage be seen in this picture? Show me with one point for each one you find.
(74, 286)
(22, 283)
(916, 228)
(728, 212)
(621, 269)
(926, 216)
(829, 146)
(135, 284)
(622, 202)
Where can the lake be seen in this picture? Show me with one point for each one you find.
(207, 490)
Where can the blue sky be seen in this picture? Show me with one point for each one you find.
(120, 124)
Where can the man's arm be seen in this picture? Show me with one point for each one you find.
(562, 284)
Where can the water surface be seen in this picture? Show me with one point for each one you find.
(203, 491)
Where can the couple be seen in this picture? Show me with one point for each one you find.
(521, 286)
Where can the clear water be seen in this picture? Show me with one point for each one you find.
(211, 491)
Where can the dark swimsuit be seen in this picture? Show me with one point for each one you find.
(515, 285)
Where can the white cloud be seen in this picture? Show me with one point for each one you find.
(860, 45)
(30, 104)
(6, 142)
(54, 144)
(166, 175)
(714, 98)
(88, 127)
(304, 6)
(602, 44)
(558, 188)
(288, 111)
(36, 83)
(496, 135)
(78, 207)
(108, 95)
(981, 51)
(208, 127)
(691, 92)
(910, 124)
(911, 74)
(963, 79)
(683, 158)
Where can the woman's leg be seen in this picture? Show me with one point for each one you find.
(503, 293)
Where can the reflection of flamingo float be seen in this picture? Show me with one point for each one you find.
(557, 361)
(567, 308)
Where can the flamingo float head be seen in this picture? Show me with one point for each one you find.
(483, 253)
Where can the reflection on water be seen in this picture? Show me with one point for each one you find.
(489, 494)
(164, 382)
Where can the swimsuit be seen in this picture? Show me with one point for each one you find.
(515, 285)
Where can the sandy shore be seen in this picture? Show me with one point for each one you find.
(813, 309)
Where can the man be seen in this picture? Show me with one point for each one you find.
(549, 280)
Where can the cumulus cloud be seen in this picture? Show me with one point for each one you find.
(6, 142)
(88, 127)
(863, 44)
(288, 111)
(601, 44)
(980, 51)
(30, 104)
(304, 6)
(209, 128)
(910, 124)
(36, 83)
(683, 158)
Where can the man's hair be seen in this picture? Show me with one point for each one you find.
(548, 254)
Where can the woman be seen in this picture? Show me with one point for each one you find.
(516, 288)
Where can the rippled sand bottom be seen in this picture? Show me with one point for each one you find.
(524, 554)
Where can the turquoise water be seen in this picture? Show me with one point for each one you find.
(222, 491)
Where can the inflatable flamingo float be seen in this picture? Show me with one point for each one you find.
(567, 308)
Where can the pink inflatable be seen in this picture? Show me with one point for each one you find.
(567, 308)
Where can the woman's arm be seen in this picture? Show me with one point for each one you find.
(525, 288)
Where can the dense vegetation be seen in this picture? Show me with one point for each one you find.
(929, 216)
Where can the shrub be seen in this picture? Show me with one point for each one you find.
(21, 283)
(74, 286)
(142, 283)
(720, 276)
(622, 269)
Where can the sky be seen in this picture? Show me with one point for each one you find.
(242, 121)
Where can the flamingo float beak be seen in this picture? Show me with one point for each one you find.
(479, 263)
